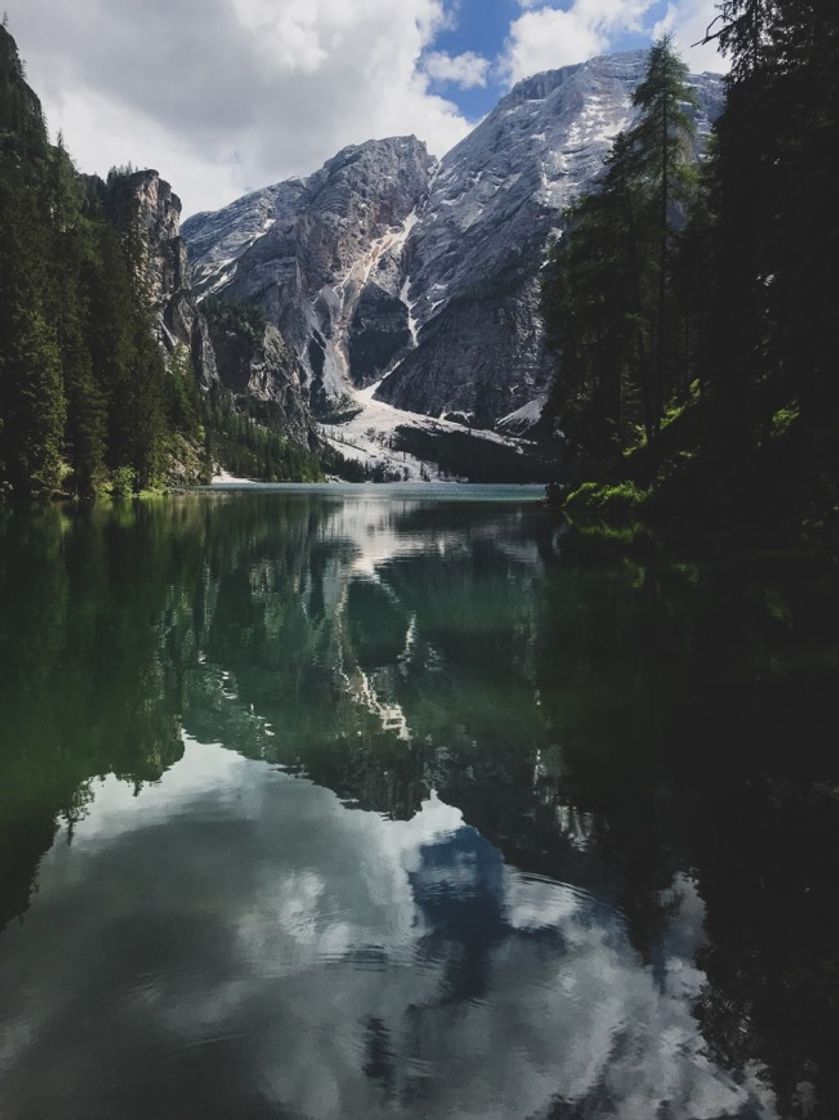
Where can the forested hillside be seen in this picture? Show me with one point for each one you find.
(108, 379)
(693, 311)
(83, 387)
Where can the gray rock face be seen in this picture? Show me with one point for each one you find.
(148, 212)
(219, 238)
(383, 265)
(256, 366)
(379, 333)
(474, 257)
(247, 357)
(307, 250)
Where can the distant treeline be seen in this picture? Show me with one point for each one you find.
(476, 459)
(250, 445)
(693, 307)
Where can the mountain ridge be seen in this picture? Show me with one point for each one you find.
(440, 310)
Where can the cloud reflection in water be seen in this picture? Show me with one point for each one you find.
(281, 954)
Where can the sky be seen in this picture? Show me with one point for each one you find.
(226, 96)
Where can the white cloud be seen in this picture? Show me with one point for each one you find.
(466, 70)
(545, 37)
(688, 21)
(223, 96)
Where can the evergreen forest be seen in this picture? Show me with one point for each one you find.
(90, 402)
(692, 303)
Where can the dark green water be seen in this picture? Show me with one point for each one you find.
(359, 804)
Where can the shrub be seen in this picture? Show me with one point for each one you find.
(123, 482)
(783, 420)
(618, 498)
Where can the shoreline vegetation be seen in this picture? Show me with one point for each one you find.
(692, 303)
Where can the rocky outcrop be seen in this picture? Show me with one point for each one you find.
(384, 266)
(18, 101)
(379, 333)
(260, 370)
(231, 346)
(147, 212)
(322, 257)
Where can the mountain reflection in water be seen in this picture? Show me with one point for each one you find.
(358, 805)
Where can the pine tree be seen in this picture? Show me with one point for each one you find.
(31, 403)
(32, 406)
(594, 302)
(183, 396)
(776, 238)
(661, 140)
(110, 314)
(69, 312)
(146, 405)
(609, 294)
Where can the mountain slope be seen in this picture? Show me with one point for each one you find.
(476, 253)
(384, 268)
(310, 251)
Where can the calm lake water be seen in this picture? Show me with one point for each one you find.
(401, 802)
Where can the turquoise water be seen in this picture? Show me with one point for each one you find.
(371, 802)
(390, 491)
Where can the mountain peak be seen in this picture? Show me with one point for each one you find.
(621, 65)
(394, 149)
(386, 266)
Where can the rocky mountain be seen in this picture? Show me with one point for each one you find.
(243, 354)
(322, 256)
(387, 269)
(147, 212)
(260, 370)
(474, 259)
(21, 112)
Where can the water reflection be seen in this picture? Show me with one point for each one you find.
(243, 930)
(318, 807)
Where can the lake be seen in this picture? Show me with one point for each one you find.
(329, 802)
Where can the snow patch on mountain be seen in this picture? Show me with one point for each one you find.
(368, 436)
